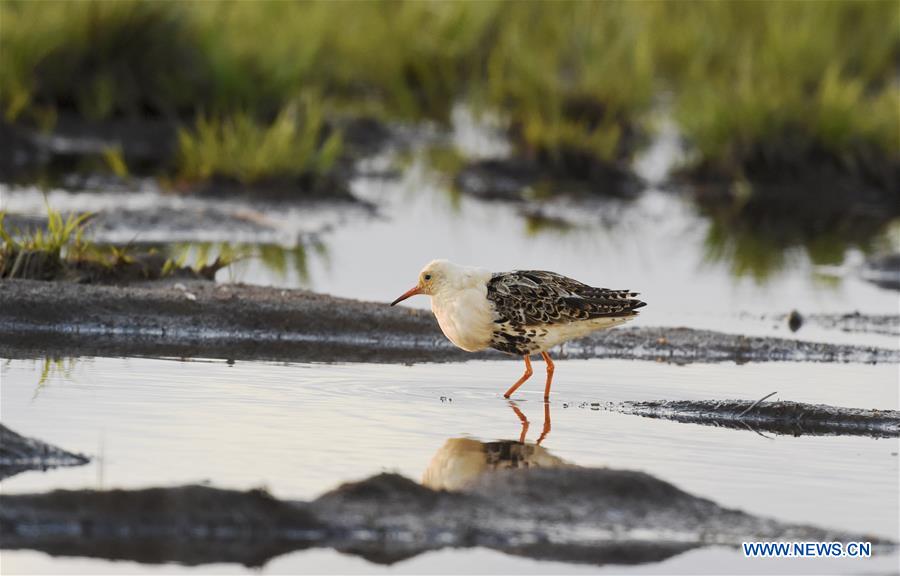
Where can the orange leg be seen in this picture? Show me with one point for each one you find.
(525, 376)
(524, 421)
(550, 369)
(546, 429)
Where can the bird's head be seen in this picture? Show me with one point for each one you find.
(436, 275)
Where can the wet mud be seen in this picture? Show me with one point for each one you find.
(239, 322)
(681, 345)
(854, 322)
(20, 454)
(498, 179)
(778, 417)
(519, 179)
(594, 516)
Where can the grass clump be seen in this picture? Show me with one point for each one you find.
(406, 60)
(41, 253)
(99, 59)
(106, 59)
(759, 88)
(770, 88)
(61, 252)
(239, 148)
(574, 78)
(793, 113)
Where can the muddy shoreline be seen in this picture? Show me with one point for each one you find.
(241, 322)
(586, 515)
(20, 454)
(782, 417)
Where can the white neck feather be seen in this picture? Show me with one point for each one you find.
(462, 309)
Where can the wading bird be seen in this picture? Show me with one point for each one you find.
(521, 312)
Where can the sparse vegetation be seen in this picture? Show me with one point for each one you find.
(239, 148)
(779, 88)
(759, 88)
(574, 78)
(99, 59)
(61, 252)
(41, 253)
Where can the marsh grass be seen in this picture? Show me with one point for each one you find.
(62, 252)
(793, 112)
(575, 78)
(759, 88)
(41, 253)
(99, 59)
(228, 66)
(395, 60)
(240, 148)
(773, 87)
(61, 233)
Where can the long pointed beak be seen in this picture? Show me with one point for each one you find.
(407, 294)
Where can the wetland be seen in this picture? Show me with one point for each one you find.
(200, 370)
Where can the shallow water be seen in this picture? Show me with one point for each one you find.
(301, 429)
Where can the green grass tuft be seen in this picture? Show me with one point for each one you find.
(573, 77)
(755, 85)
(100, 59)
(61, 251)
(41, 253)
(769, 86)
(239, 148)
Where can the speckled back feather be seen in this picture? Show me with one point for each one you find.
(530, 304)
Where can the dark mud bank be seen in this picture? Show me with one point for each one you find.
(517, 179)
(19, 454)
(854, 322)
(231, 321)
(777, 417)
(594, 516)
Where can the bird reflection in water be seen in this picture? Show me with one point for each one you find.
(461, 461)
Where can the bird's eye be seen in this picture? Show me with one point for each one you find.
(428, 277)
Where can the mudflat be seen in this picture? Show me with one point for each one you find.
(237, 321)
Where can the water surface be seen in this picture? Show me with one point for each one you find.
(301, 429)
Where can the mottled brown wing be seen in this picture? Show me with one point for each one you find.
(529, 297)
